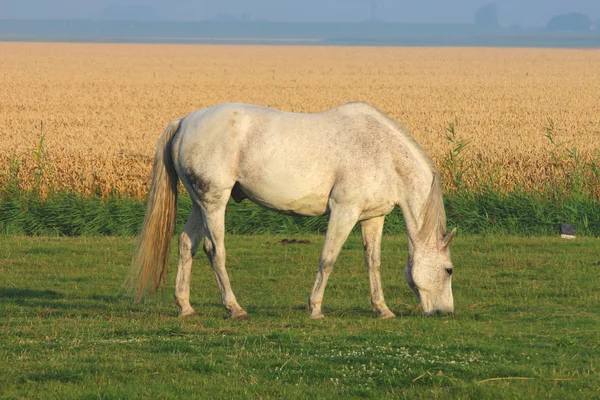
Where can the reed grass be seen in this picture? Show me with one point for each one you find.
(41, 209)
(488, 212)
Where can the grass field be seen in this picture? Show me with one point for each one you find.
(514, 132)
(510, 119)
(527, 324)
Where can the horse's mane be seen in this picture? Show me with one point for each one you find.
(433, 214)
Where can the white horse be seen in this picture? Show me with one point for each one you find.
(351, 162)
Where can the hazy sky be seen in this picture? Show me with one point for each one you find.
(522, 12)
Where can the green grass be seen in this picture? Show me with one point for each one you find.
(527, 324)
(69, 214)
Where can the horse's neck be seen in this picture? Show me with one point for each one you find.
(415, 174)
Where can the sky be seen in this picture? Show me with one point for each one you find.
(525, 13)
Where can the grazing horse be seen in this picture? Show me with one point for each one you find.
(351, 162)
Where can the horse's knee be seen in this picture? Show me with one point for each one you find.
(327, 262)
(327, 266)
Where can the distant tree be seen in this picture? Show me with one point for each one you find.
(570, 22)
(487, 15)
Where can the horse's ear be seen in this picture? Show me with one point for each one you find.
(448, 238)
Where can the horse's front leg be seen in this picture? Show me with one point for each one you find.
(341, 222)
(371, 231)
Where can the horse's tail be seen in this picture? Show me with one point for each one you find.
(149, 265)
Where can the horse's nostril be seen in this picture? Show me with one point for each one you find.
(449, 271)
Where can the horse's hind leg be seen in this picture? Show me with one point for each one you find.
(371, 231)
(341, 222)
(214, 247)
(188, 244)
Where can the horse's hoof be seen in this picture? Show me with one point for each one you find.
(387, 314)
(240, 315)
(187, 313)
(317, 316)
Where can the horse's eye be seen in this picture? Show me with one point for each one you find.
(449, 271)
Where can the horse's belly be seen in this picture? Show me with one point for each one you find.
(288, 198)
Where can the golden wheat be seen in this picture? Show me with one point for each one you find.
(102, 107)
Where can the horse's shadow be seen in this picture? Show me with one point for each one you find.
(98, 302)
(272, 311)
(16, 294)
(51, 299)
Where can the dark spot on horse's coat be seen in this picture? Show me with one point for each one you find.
(233, 119)
(237, 193)
(200, 185)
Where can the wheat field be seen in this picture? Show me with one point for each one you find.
(87, 117)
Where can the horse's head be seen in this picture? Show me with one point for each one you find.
(429, 273)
